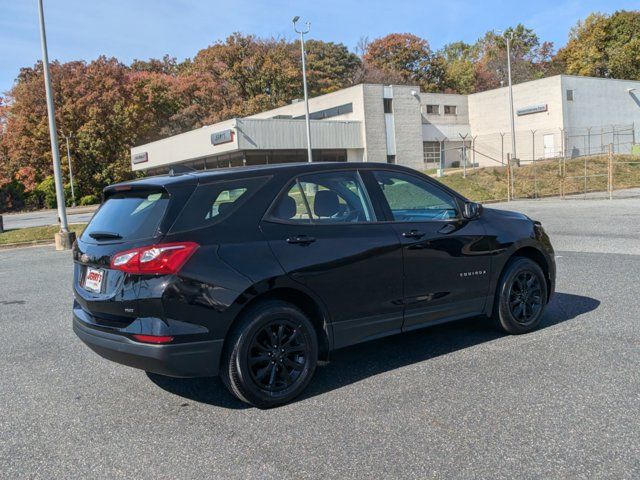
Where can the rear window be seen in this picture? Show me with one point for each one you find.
(213, 202)
(129, 215)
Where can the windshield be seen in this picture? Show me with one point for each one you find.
(129, 216)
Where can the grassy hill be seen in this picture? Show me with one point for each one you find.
(545, 178)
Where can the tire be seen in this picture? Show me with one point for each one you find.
(521, 296)
(270, 355)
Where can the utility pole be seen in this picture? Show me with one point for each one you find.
(64, 239)
(509, 37)
(304, 81)
(73, 193)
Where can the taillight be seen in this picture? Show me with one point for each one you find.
(161, 259)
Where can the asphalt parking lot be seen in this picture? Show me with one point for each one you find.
(454, 401)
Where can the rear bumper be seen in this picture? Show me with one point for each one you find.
(193, 359)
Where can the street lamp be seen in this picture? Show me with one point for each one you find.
(304, 81)
(509, 37)
(73, 193)
(64, 239)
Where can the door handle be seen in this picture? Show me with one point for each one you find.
(301, 239)
(413, 234)
(448, 228)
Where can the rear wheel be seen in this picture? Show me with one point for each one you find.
(521, 296)
(270, 355)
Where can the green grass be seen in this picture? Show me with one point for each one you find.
(32, 234)
(546, 178)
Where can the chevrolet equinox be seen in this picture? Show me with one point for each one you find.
(256, 273)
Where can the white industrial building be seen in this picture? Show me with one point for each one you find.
(561, 115)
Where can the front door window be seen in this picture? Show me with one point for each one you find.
(412, 199)
(325, 198)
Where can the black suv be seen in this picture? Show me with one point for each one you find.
(256, 273)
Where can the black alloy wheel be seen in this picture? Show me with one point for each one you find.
(270, 354)
(525, 295)
(521, 296)
(278, 354)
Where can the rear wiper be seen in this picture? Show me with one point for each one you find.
(105, 235)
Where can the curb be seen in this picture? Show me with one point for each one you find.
(33, 243)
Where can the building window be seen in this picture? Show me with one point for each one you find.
(450, 110)
(391, 159)
(431, 152)
(388, 105)
(433, 109)
(327, 113)
(570, 95)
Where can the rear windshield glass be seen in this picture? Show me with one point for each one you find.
(128, 215)
(213, 202)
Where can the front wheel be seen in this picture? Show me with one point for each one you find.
(270, 355)
(521, 296)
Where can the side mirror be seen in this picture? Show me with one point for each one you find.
(471, 210)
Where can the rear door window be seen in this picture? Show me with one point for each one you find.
(210, 203)
(128, 215)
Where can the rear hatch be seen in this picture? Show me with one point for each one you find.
(131, 216)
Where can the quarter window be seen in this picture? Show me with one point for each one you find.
(212, 202)
(335, 197)
(412, 199)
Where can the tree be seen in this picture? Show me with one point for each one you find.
(457, 58)
(167, 65)
(330, 66)
(530, 59)
(369, 73)
(604, 46)
(103, 104)
(258, 73)
(407, 55)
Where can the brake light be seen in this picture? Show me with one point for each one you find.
(153, 338)
(161, 259)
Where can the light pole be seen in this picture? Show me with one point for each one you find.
(304, 81)
(509, 37)
(73, 193)
(64, 239)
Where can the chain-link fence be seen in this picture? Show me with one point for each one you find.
(591, 162)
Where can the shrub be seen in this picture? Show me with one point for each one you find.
(89, 200)
(46, 193)
(11, 196)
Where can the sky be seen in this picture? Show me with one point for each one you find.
(142, 29)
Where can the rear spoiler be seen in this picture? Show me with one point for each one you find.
(164, 183)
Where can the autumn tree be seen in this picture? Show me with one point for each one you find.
(106, 107)
(366, 72)
(257, 74)
(530, 58)
(331, 66)
(604, 46)
(408, 56)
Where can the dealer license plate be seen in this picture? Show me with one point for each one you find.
(93, 280)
